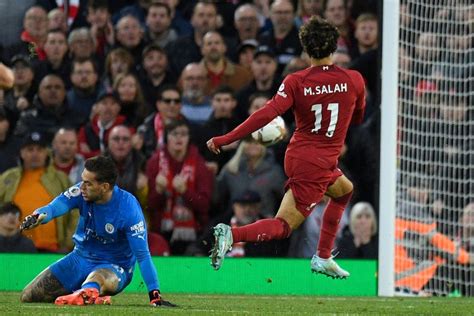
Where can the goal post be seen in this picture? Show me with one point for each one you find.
(388, 138)
(426, 198)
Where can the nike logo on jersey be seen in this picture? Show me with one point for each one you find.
(324, 89)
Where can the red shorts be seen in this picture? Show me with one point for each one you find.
(308, 182)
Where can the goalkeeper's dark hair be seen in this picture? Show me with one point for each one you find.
(319, 38)
(104, 169)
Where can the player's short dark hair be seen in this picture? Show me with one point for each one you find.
(319, 37)
(223, 89)
(104, 169)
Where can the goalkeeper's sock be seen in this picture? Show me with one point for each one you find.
(331, 218)
(89, 285)
(262, 230)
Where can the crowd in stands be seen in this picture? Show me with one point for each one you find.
(147, 83)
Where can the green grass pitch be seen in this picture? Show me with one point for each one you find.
(134, 304)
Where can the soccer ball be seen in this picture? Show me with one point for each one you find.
(271, 133)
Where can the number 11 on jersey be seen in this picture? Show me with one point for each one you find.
(318, 117)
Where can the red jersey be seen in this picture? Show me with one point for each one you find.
(324, 100)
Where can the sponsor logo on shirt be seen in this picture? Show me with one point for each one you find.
(138, 230)
(281, 91)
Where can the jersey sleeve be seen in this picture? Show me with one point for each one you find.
(359, 110)
(62, 204)
(278, 105)
(137, 237)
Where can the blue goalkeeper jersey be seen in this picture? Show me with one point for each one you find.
(114, 232)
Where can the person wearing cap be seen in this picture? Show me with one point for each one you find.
(93, 136)
(220, 70)
(11, 240)
(265, 79)
(36, 177)
(158, 21)
(49, 110)
(283, 36)
(20, 97)
(245, 53)
(154, 73)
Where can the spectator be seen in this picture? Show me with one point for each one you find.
(8, 144)
(306, 9)
(252, 167)
(366, 34)
(11, 240)
(130, 163)
(65, 154)
(179, 22)
(265, 80)
(283, 37)
(85, 89)
(180, 189)
(35, 183)
(57, 20)
(203, 20)
(118, 61)
(11, 18)
(49, 110)
(24, 88)
(152, 132)
(336, 13)
(93, 136)
(33, 37)
(158, 245)
(196, 102)
(81, 44)
(221, 121)
(220, 70)
(245, 53)
(359, 238)
(295, 64)
(246, 22)
(257, 101)
(132, 103)
(56, 61)
(158, 21)
(102, 30)
(154, 72)
(130, 36)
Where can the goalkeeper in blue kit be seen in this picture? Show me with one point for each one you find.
(110, 237)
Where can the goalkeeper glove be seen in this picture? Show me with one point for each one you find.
(31, 221)
(155, 299)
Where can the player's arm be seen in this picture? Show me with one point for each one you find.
(136, 233)
(62, 204)
(278, 105)
(359, 111)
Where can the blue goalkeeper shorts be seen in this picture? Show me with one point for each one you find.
(73, 269)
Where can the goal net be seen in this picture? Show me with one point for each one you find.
(434, 229)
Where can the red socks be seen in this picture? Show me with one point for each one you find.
(331, 217)
(262, 230)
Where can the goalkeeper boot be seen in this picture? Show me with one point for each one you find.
(103, 300)
(85, 296)
(328, 267)
(222, 244)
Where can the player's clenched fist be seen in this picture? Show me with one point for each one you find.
(31, 221)
(212, 147)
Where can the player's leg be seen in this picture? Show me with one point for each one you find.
(44, 288)
(286, 220)
(340, 193)
(103, 281)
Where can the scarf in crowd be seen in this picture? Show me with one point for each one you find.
(159, 131)
(177, 216)
(33, 47)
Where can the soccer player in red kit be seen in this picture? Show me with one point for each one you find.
(325, 99)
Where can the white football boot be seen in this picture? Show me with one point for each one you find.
(222, 244)
(328, 267)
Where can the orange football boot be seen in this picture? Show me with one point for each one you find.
(86, 296)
